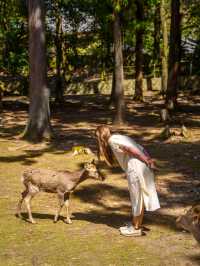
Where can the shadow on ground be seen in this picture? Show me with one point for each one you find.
(178, 178)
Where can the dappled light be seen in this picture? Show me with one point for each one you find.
(100, 118)
(105, 204)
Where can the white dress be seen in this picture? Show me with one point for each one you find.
(140, 177)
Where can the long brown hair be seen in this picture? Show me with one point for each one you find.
(103, 133)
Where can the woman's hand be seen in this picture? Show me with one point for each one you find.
(151, 164)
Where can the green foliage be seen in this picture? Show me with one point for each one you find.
(87, 33)
(13, 37)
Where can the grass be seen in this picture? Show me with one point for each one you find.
(98, 208)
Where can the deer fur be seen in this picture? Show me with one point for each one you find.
(190, 221)
(60, 182)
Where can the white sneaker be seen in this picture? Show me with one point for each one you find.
(129, 230)
(127, 224)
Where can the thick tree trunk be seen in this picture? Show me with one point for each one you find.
(112, 95)
(174, 56)
(59, 57)
(138, 96)
(164, 50)
(38, 125)
(118, 72)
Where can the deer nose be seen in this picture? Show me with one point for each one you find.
(96, 174)
(101, 177)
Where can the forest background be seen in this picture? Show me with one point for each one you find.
(67, 67)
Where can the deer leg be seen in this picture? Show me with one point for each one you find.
(61, 201)
(27, 200)
(32, 191)
(19, 206)
(66, 203)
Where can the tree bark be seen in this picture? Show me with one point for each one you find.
(138, 96)
(174, 56)
(59, 56)
(38, 125)
(164, 49)
(112, 95)
(118, 72)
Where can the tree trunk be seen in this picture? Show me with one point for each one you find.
(112, 95)
(156, 36)
(59, 59)
(118, 72)
(138, 96)
(164, 49)
(38, 125)
(174, 56)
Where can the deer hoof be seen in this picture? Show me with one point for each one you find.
(32, 221)
(68, 221)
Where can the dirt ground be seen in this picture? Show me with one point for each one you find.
(99, 208)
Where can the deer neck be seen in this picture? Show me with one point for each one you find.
(81, 176)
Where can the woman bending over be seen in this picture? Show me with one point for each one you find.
(138, 165)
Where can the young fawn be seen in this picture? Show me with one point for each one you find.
(60, 182)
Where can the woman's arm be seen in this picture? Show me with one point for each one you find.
(142, 156)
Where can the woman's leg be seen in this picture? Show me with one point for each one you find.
(137, 220)
(137, 201)
(137, 204)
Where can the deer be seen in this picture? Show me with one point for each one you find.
(63, 183)
(190, 221)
